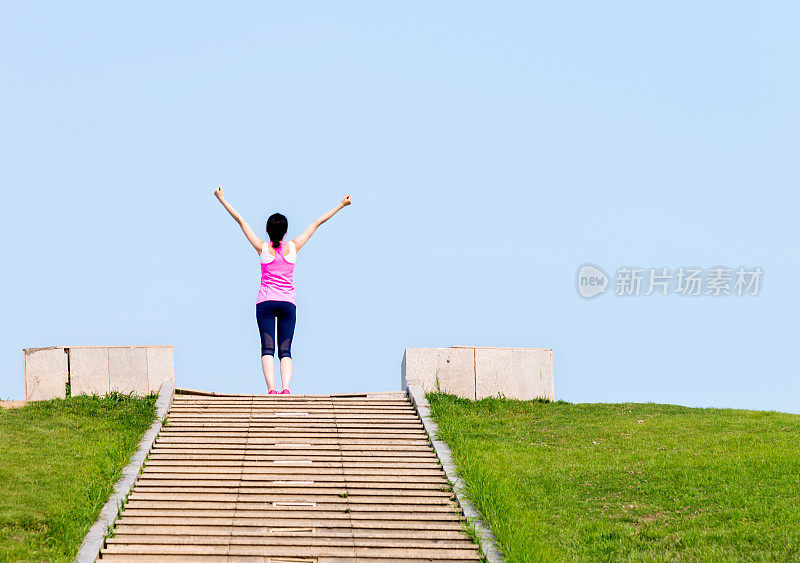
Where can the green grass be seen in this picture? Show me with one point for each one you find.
(59, 461)
(558, 482)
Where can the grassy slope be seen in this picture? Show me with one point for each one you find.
(628, 481)
(59, 461)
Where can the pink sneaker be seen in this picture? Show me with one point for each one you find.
(285, 392)
(272, 392)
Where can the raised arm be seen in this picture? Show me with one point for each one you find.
(303, 238)
(257, 243)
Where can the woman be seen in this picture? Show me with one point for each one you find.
(276, 297)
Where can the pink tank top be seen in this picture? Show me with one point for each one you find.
(277, 274)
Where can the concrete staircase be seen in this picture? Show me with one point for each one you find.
(295, 478)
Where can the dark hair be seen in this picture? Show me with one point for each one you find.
(277, 225)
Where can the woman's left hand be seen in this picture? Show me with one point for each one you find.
(346, 201)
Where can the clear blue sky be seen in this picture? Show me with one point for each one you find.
(491, 150)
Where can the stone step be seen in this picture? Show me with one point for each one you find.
(326, 511)
(304, 477)
(430, 553)
(297, 540)
(261, 423)
(351, 479)
(346, 414)
(252, 414)
(161, 463)
(311, 442)
(312, 488)
(116, 558)
(300, 478)
(233, 455)
(177, 499)
(294, 444)
(278, 405)
(254, 469)
(334, 398)
(298, 410)
(322, 435)
(272, 521)
(393, 409)
(382, 414)
(293, 398)
(218, 434)
(304, 446)
(279, 441)
(292, 507)
(344, 431)
(299, 414)
(232, 414)
(354, 495)
(269, 400)
(289, 453)
(278, 431)
(285, 419)
(344, 531)
(290, 448)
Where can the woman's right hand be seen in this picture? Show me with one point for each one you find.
(218, 193)
(346, 200)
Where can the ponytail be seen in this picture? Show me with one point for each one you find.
(277, 225)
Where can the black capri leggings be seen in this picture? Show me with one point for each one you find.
(266, 314)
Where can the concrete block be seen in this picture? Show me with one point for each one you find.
(160, 366)
(454, 368)
(88, 371)
(418, 364)
(127, 369)
(477, 372)
(517, 373)
(46, 373)
(96, 370)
